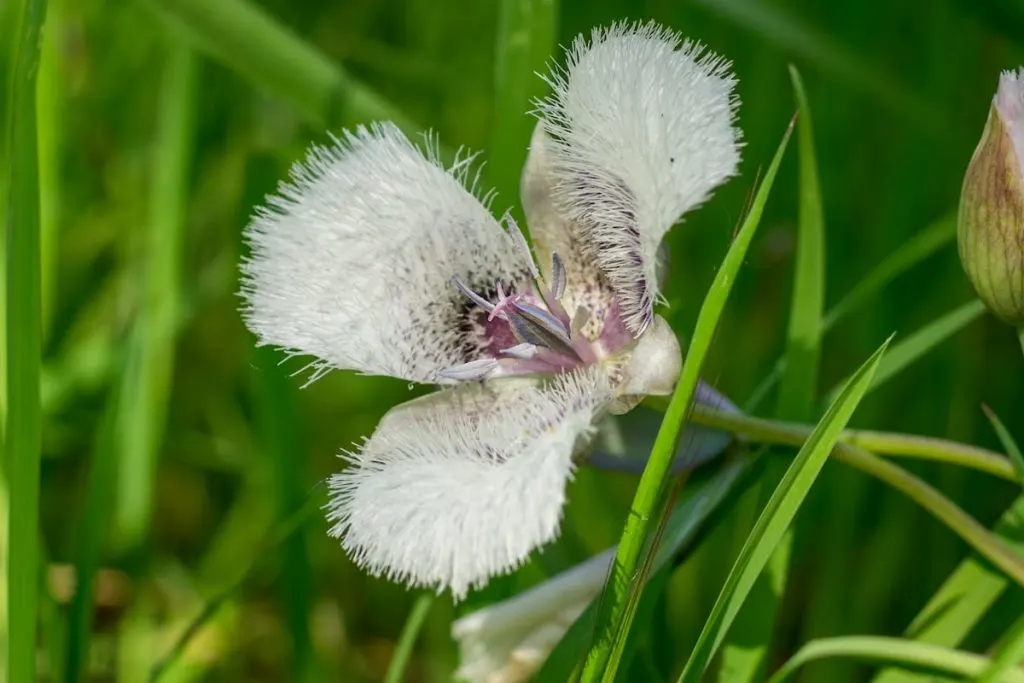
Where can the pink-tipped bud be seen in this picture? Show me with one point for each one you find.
(991, 223)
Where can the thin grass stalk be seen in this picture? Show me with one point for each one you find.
(625, 583)
(407, 639)
(24, 355)
(151, 365)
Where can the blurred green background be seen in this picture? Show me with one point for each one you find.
(161, 129)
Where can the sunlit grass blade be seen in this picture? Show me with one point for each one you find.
(965, 597)
(527, 35)
(407, 639)
(243, 36)
(912, 347)
(1007, 656)
(626, 580)
(49, 103)
(777, 517)
(746, 651)
(151, 364)
(776, 25)
(24, 355)
(913, 251)
(1009, 444)
(923, 657)
(697, 503)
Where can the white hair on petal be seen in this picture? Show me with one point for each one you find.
(455, 491)
(641, 127)
(352, 260)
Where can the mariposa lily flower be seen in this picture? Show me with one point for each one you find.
(376, 257)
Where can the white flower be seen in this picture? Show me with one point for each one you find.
(375, 257)
(508, 642)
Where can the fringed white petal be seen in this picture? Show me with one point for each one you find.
(641, 131)
(352, 261)
(509, 641)
(462, 486)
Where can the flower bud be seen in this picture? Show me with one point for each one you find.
(991, 222)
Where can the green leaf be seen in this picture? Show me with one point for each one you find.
(1007, 657)
(908, 654)
(407, 639)
(247, 39)
(1009, 444)
(913, 347)
(23, 357)
(908, 255)
(776, 518)
(697, 503)
(626, 580)
(150, 368)
(745, 654)
(526, 39)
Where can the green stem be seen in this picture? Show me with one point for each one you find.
(1020, 335)
(888, 443)
(851, 450)
(407, 639)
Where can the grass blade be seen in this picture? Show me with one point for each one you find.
(407, 639)
(1009, 445)
(526, 38)
(24, 355)
(913, 347)
(913, 251)
(933, 659)
(1007, 657)
(776, 518)
(743, 657)
(622, 591)
(151, 364)
(697, 503)
(248, 40)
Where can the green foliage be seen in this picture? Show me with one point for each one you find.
(163, 480)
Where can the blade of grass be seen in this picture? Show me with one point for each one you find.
(1007, 657)
(965, 597)
(151, 365)
(745, 653)
(281, 432)
(95, 524)
(913, 347)
(527, 33)
(250, 41)
(50, 108)
(625, 582)
(24, 356)
(925, 657)
(912, 252)
(776, 518)
(407, 639)
(1005, 438)
(697, 503)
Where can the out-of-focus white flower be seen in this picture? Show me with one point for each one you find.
(509, 641)
(377, 258)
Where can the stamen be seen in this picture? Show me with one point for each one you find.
(474, 369)
(580, 318)
(520, 239)
(473, 296)
(524, 351)
(558, 276)
(536, 326)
